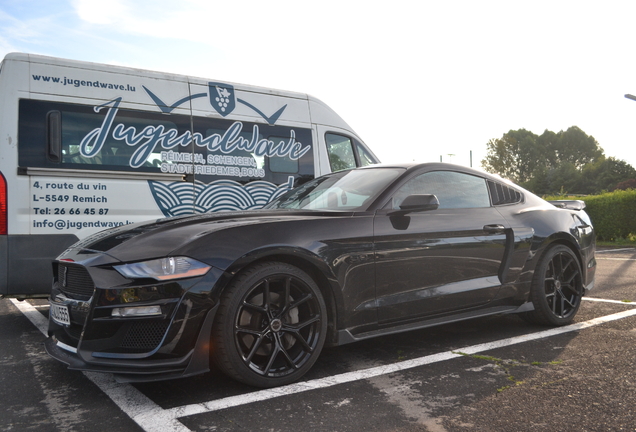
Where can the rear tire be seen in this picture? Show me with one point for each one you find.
(270, 327)
(557, 288)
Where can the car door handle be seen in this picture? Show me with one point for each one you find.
(494, 228)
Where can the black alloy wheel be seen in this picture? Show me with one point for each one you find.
(270, 327)
(557, 288)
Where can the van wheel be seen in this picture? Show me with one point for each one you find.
(557, 288)
(270, 327)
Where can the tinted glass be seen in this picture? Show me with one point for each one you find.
(115, 152)
(275, 154)
(108, 137)
(453, 189)
(282, 164)
(365, 157)
(90, 141)
(346, 190)
(340, 150)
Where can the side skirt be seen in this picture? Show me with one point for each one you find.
(345, 336)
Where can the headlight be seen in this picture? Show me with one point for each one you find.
(164, 269)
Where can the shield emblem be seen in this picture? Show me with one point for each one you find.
(222, 97)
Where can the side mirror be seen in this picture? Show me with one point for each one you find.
(417, 203)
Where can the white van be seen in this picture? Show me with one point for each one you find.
(86, 146)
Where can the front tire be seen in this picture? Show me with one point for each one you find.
(557, 288)
(270, 327)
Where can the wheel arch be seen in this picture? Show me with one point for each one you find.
(306, 261)
(554, 311)
(568, 241)
(563, 239)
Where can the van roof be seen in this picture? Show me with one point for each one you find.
(125, 70)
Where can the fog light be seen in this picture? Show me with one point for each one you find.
(129, 295)
(136, 311)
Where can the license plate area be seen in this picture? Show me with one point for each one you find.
(59, 314)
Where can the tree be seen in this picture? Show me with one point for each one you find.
(576, 147)
(627, 184)
(606, 174)
(566, 161)
(513, 156)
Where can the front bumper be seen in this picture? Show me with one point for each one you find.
(195, 362)
(87, 332)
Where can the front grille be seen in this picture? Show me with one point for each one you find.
(144, 336)
(75, 282)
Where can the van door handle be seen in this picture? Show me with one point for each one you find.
(494, 228)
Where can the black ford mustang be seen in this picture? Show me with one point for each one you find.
(345, 257)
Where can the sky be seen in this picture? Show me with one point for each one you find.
(416, 80)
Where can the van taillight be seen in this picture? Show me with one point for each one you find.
(3, 206)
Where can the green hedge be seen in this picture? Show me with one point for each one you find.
(613, 214)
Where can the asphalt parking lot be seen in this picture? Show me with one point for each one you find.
(492, 374)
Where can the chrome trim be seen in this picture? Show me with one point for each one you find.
(59, 314)
(81, 305)
(66, 347)
(122, 175)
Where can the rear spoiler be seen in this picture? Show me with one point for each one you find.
(569, 204)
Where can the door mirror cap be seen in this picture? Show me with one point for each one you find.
(417, 203)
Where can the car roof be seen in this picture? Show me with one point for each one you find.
(411, 166)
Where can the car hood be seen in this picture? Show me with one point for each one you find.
(159, 238)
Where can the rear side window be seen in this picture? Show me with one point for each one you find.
(282, 164)
(110, 138)
(114, 153)
(501, 194)
(85, 139)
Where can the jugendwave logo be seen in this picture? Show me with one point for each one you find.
(151, 136)
(183, 198)
(222, 99)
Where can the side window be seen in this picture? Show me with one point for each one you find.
(243, 152)
(107, 139)
(240, 158)
(282, 164)
(73, 136)
(365, 157)
(345, 153)
(340, 150)
(114, 152)
(453, 189)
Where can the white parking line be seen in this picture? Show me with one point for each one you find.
(615, 250)
(616, 259)
(147, 414)
(625, 302)
(33, 315)
(257, 396)
(152, 417)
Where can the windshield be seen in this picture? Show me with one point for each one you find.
(344, 190)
